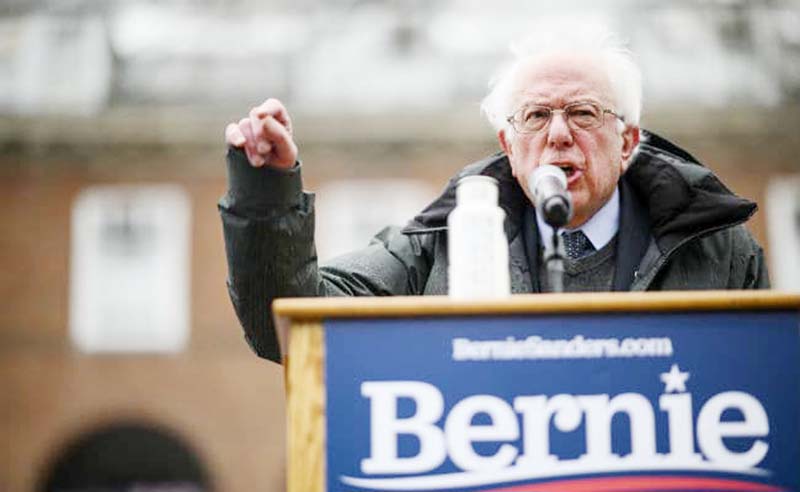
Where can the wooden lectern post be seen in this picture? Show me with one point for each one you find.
(607, 391)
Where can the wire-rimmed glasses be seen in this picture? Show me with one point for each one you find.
(583, 115)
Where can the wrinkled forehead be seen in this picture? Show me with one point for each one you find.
(562, 78)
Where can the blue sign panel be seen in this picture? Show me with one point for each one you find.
(582, 402)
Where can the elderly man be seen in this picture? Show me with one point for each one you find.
(647, 215)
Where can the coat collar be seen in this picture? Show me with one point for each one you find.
(683, 198)
(511, 198)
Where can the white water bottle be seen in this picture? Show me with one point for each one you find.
(476, 242)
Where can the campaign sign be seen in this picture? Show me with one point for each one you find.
(698, 401)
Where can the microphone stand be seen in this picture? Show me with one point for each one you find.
(554, 254)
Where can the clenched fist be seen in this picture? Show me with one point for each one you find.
(265, 135)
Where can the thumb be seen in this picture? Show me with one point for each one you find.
(233, 135)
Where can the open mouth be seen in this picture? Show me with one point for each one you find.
(568, 169)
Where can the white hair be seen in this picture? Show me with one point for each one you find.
(592, 39)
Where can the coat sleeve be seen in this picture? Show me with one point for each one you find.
(749, 267)
(757, 275)
(268, 225)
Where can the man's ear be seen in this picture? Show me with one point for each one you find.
(504, 143)
(630, 139)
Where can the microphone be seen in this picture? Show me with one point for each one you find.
(548, 183)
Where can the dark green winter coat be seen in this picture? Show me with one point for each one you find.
(680, 228)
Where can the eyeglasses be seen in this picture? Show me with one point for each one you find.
(579, 115)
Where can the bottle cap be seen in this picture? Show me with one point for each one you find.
(477, 190)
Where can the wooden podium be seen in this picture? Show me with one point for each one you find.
(608, 391)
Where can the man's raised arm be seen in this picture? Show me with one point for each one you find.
(267, 221)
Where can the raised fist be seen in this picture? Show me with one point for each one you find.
(265, 135)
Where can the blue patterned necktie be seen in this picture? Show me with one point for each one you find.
(577, 245)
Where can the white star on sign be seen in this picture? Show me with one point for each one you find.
(674, 380)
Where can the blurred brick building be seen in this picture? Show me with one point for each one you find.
(139, 92)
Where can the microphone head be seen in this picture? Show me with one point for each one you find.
(543, 172)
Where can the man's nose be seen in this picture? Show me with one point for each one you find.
(558, 131)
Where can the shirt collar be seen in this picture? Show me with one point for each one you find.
(600, 228)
